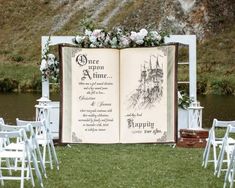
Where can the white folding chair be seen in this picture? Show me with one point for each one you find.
(19, 144)
(226, 150)
(44, 139)
(214, 141)
(229, 176)
(25, 156)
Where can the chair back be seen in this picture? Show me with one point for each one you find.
(222, 124)
(10, 137)
(38, 127)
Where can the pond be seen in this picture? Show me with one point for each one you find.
(21, 105)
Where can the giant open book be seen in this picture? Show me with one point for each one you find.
(118, 95)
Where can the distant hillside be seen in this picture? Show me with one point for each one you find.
(23, 22)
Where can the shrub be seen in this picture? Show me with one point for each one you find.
(17, 58)
(222, 87)
(201, 86)
(8, 84)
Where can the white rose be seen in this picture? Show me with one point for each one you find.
(92, 39)
(43, 65)
(92, 45)
(140, 41)
(97, 32)
(133, 35)
(51, 57)
(79, 39)
(124, 41)
(153, 35)
(143, 32)
(88, 32)
(50, 62)
(159, 37)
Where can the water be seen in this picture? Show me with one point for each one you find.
(21, 105)
(14, 105)
(219, 107)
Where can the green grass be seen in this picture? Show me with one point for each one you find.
(128, 166)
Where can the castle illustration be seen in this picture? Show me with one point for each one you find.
(150, 88)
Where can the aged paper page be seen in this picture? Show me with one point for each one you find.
(94, 110)
(147, 95)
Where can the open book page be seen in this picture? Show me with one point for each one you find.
(91, 107)
(147, 95)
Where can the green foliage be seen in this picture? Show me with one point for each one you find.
(16, 77)
(17, 58)
(184, 100)
(8, 84)
(202, 86)
(222, 87)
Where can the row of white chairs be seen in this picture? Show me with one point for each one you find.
(20, 150)
(223, 148)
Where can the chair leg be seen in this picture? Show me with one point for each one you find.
(2, 182)
(54, 154)
(44, 155)
(22, 173)
(8, 165)
(207, 156)
(31, 174)
(36, 168)
(205, 153)
(219, 162)
(215, 157)
(231, 167)
(42, 165)
(49, 153)
(227, 173)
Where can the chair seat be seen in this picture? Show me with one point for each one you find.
(42, 142)
(15, 146)
(12, 154)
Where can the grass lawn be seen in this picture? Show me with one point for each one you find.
(129, 166)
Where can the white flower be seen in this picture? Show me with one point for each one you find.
(133, 35)
(97, 32)
(107, 40)
(159, 37)
(88, 32)
(92, 45)
(119, 31)
(51, 57)
(153, 35)
(138, 38)
(124, 41)
(143, 32)
(56, 62)
(92, 39)
(43, 65)
(79, 39)
(139, 41)
(50, 62)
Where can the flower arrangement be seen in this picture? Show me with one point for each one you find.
(118, 38)
(184, 100)
(49, 64)
(98, 38)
